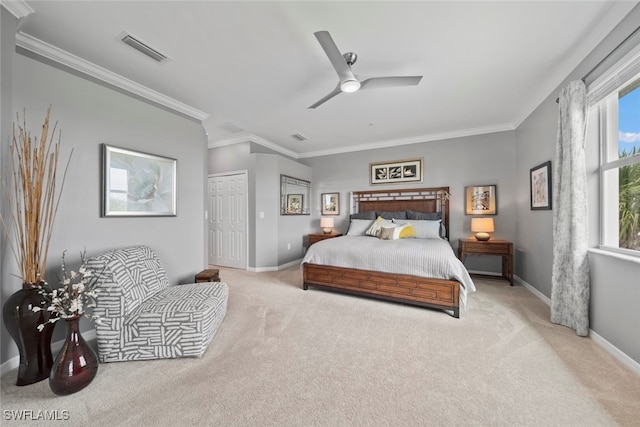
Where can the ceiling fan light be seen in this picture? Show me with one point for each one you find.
(349, 86)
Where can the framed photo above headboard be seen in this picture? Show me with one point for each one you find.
(397, 171)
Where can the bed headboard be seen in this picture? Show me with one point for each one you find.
(415, 199)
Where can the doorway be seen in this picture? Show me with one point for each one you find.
(228, 220)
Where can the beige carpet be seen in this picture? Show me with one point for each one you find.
(288, 357)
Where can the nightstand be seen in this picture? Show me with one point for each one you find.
(208, 275)
(315, 238)
(503, 248)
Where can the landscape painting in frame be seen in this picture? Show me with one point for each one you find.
(137, 184)
(540, 179)
(481, 200)
(397, 171)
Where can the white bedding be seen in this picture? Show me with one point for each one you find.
(431, 258)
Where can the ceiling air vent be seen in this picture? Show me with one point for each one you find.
(299, 137)
(230, 127)
(140, 46)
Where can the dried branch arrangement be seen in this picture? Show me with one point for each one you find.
(31, 197)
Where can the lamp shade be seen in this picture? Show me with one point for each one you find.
(326, 224)
(482, 227)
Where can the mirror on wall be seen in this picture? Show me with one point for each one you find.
(294, 196)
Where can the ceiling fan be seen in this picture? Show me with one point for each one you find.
(348, 81)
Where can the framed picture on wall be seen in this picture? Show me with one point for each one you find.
(330, 203)
(481, 200)
(540, 181)
(137, 184)
(294, 203)
(397, 171)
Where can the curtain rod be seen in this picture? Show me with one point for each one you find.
(620, 45)
(609, 55)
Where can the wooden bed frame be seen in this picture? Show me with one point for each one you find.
(426, 292)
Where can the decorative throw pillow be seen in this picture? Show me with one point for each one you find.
(374, 230)
(431, 216)
(386, 233)
(359, 227)
(391, 215)
(397, 232)
(371, 215)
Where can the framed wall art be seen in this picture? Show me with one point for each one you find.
(295, 203)
(398, 171)
(330, 203)
(137, 184)
(540, 181)
(481, 200)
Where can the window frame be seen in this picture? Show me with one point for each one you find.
(607, 110)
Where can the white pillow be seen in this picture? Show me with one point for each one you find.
(359, 227)
(426, 229)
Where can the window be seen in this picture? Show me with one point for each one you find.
(620, 167)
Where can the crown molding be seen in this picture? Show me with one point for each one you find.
(257, 140)
(411, 140)
(53, 53)
(18, 8)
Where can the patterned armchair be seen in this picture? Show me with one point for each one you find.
(142, 317)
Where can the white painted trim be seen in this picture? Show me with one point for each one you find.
(615, 352)
(369, 146)
(621, 254)
(14, 362)
(412, 140)
(18, 8)
(533, 290)
(606, 345)
(257, 140)
(277, 268)
(53, 53)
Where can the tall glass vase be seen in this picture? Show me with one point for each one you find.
(22, 323)
(76, 365)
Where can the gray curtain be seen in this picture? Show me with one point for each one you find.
(570, 276)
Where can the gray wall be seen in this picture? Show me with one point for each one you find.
(615, 297)
(456, 163)
(90, 114)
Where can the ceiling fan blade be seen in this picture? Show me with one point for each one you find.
(336, 58)
(379, 82)
(333, 93)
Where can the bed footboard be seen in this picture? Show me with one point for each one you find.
(432, 293)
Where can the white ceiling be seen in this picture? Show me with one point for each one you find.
(258, 66)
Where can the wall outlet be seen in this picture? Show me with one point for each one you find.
(288, 246)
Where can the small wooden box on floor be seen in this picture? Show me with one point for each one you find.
(208, 275)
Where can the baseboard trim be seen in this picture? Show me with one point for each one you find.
(276, 268)
(618, 354)
(14, 362)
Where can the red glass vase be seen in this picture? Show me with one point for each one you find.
(76, 365)
(22, 323)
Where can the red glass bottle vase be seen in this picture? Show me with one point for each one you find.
(76, 365)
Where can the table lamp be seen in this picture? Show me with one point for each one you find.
(327, 225)
(482, 227)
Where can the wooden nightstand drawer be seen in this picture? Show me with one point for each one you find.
(496, 248)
